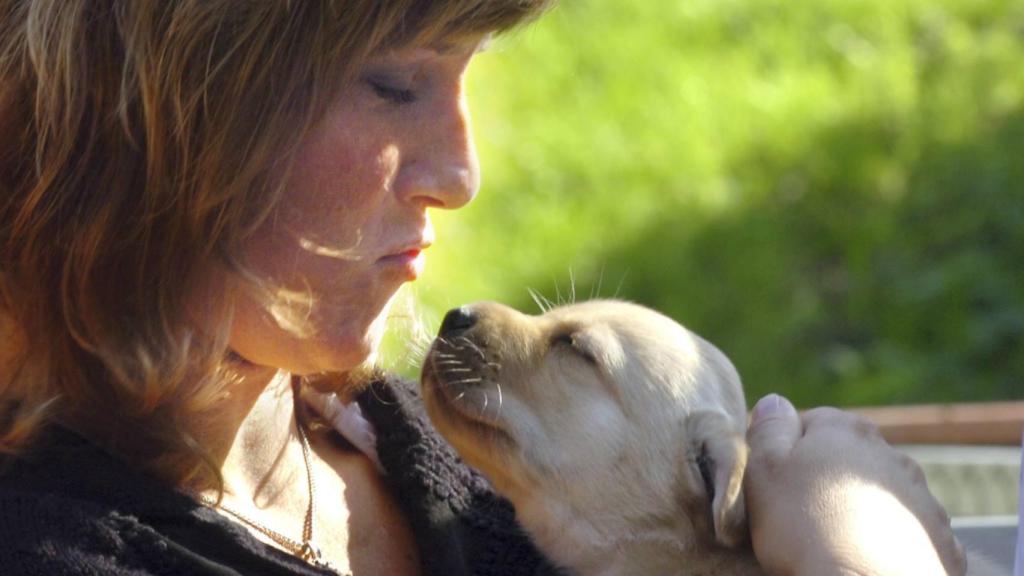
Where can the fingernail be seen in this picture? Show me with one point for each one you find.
(768, 405)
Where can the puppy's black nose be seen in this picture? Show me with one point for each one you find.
(457, 321)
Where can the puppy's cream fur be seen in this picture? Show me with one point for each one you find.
(617, 434)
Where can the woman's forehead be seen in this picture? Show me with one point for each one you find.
(448, 46)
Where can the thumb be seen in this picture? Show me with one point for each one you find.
(775, 427)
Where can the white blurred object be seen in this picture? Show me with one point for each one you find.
(1018, 564)
(978, 486)
(347, 420)
(971, 481)
(989, 542)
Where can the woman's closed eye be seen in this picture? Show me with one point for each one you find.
(391, 91)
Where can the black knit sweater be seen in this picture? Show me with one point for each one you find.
(70, 508)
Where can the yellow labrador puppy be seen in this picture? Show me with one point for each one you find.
(617, 434)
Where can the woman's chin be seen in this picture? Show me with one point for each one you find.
(350, 349)
(333, 339)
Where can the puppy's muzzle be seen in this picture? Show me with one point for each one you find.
(460, 371)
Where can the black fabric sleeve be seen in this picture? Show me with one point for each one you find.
(461, 525)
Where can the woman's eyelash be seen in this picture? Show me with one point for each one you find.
(392, 94)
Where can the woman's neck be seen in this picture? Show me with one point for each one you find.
(250, 436)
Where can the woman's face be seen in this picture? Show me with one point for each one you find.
(353, 223)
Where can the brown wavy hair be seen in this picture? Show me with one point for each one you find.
(137, 143)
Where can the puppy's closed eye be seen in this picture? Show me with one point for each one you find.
(706, 468)
(568, 340)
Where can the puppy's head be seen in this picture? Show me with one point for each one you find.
(605, 407)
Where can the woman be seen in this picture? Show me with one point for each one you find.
(207, 208)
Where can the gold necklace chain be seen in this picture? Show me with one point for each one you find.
(306, 549)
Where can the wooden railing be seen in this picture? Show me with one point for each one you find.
(981, 423)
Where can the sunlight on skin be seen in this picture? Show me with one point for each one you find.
(290, 309)
(390, 156)
(875, 539)
(329, 252)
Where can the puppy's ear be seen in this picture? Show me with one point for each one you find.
(720, 454)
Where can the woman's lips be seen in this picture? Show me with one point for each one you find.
(409, 262)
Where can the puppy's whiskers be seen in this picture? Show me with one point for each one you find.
(473, 346)
(540, 300)
(595, 290)
(572, 287)
(448, 380)
(451, 368)
(622, 280)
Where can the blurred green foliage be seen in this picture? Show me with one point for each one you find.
(832, 192)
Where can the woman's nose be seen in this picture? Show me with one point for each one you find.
(441, 169)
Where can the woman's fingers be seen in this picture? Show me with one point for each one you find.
(826, 493)
(775, 427)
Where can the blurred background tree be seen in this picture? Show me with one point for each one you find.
(832, 192)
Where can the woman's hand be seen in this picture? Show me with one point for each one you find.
(827, 495)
